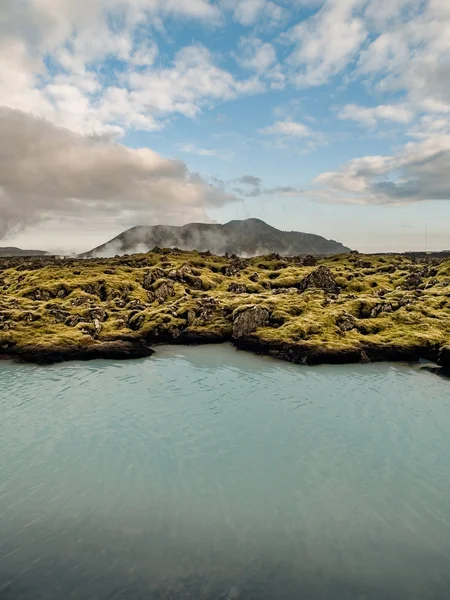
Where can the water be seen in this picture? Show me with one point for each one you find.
(207, 473)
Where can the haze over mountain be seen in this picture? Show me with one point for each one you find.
(250, 237)
(12, 251)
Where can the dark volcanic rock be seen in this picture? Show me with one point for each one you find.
(309, 261)
(73, 320)
(322, 279)
(346, 322)
(136, 320)
(249, 320)
(112, 350)
(444, 358)
(385, 307)
(151, 276)
(98, 313)
(39, 295)
(59, 316)
(237, 288)
(164, 291)
(413, 281)
(80, 301)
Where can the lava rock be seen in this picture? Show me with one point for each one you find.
(98, 313)
(164, 291)
(322, 279)
(237, 288)
(73, 320)
(249, 320)
(346, 322)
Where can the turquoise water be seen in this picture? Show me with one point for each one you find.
(208, 473)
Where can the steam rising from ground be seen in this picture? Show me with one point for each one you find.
(250, 237)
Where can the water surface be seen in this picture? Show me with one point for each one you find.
(208, 473)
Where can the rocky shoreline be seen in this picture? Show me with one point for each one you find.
(293, 353)
(305, 310)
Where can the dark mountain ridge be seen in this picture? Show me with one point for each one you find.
(250, 237)
(10, 251)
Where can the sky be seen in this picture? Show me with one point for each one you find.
(325, 116)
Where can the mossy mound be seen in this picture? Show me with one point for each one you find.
(343, 306)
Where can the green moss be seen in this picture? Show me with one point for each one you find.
(116, 285)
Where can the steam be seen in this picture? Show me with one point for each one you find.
(245, 238)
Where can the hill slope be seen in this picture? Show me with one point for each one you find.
(246, 238)
(11, 251)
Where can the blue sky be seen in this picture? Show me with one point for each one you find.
(331, 117)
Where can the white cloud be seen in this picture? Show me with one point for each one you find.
(412, 54)
(288, 128)
(190, 148)
(326, 42)
(50, 173)
(81, 90)
(370, 116)
(417, 173)
(249, 12)
(256, 55)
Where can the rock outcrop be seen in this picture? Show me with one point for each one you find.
(346, 322)
(322, 279)
(249, 320)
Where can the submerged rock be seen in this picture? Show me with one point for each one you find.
(249, 321)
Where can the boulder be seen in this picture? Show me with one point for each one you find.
(120, 302)
(413, 281)
(385, 307)
(80, 301)
(73, 320)
(182, 274)
(39, 295)
(444, 357)
(164, 291)
(151, 276)
(59, 316)
(322, 279)
(309, 261)
(136, 305)
(136, 320)
(97, 328)
(98, 313)
(346, 322)
(249, 320)
(237, 288)
(254, 277)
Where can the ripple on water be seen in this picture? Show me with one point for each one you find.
(210, 473)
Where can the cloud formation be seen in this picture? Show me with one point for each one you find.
(51, 173)
(78, 77)
(419, 172)
(371, 116)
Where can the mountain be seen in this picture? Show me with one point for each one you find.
(11, 251)
(251, 237)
